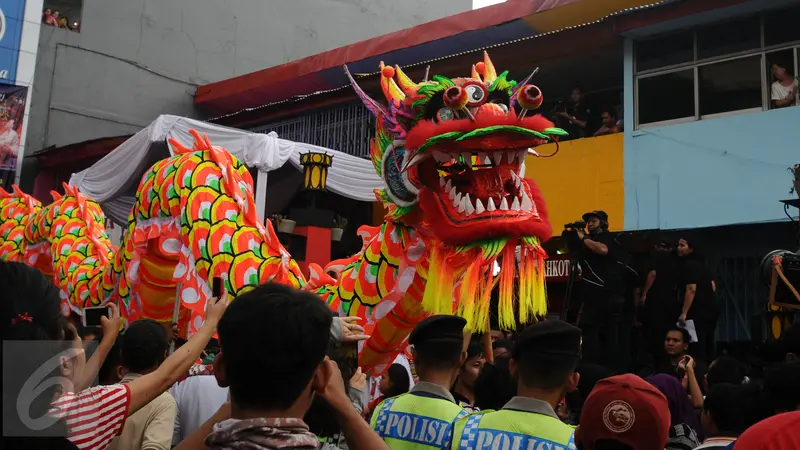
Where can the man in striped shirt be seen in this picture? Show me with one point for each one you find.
(94, 416)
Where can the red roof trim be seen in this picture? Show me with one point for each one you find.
(431, 31)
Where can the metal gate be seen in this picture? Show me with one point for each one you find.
(741, 297)
(347, 128)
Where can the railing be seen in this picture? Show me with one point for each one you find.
(347, 128)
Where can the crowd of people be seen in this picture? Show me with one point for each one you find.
(277, 376)
(55, 19)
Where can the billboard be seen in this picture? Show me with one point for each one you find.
(12, 112)
(12, 13)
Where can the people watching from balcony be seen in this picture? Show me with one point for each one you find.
(610, 123)
(54, 19)
(784, 89)
(575, 116)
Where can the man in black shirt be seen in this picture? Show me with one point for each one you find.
(659, 301)
(603, 289)
(575, 119)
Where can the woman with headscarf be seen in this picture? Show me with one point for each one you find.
(685, 423)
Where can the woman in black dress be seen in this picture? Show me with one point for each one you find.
(699, 300)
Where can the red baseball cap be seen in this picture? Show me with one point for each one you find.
(625, 409)
(781, 432)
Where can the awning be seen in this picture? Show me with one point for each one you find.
(113, 180)
(466, 32)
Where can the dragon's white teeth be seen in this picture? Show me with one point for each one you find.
(418, 158)
(457, 200)
(441, 182)
(479, 206)
(490, 205)
(467, 159)
(515, 204)
(517, 181)
(442, 157)
(452, 193)
(521, 156)
(511, 156)
(448, 186)
(462, 205)
(504, 205)
(468, 206)
(498, 158)
(485, 160)
(526, 204)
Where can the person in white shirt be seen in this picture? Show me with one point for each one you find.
(198, 398)
(784, 89)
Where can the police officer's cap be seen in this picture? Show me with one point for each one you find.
(550, 338)
(438, 328)
(599, 214)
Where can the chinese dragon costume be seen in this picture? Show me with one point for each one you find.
(451, 154)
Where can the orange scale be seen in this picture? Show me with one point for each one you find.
(221, 237)
(224, 208)
(244, 271)
(207, 174)
(243, 238)
(199, 204)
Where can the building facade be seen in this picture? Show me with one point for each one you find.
(704, 151)
(126, 62)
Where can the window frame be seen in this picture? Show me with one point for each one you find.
(696, 63)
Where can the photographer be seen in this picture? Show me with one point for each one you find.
(603, 290)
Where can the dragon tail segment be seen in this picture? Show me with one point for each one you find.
(195, 219)
(16, 210)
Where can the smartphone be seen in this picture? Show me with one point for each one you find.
(216, 287)
(92, 315)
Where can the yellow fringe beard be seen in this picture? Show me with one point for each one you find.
(460, 281)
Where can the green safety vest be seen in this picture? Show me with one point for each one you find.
(512, 430)
(411, 422)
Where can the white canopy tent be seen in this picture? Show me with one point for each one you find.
(113, 180)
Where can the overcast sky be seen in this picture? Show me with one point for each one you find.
(481, 3)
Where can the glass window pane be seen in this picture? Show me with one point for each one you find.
(664, 51)
(781, 26)
(666, 97)
(730, 85)
(729, 37)
(779, 62)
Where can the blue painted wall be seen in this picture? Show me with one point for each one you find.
(713, 172)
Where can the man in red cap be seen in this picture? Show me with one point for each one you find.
(781, 432)
(624, 412)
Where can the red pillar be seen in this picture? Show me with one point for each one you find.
(318, 246)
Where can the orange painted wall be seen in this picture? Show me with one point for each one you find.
(585, 175)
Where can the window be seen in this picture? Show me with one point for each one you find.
(715, 69)
(665, 97)
(64, 14)
(781, 27)
(728, 38)
(730, 85)
(776, 61)
(665, 51)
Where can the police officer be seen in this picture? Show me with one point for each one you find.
(543, 361)
(423, 418)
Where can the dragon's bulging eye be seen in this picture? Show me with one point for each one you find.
(445, 114)
(476, 94)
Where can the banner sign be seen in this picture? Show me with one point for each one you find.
(12, 14)
(12, 111)
(557, 269)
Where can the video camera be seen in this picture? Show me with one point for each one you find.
(577, 225)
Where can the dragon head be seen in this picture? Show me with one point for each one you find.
(452, 151)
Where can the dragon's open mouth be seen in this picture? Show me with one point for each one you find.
(482, 184)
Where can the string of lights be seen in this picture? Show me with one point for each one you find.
(299, 98)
